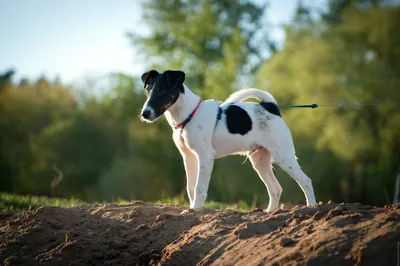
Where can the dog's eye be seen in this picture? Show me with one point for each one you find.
(160, 92)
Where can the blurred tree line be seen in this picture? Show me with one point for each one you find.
(349, 53)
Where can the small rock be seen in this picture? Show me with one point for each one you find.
(281, 228)
(317, 216)
(334, 212)
(285, 241)
(141, 227)
(296, 255)
(155, 255)
(136, 212)
(346, 231)
(276, 211)
(309, 230)
(336, 253)
(297, 235)
(162, 217)
(296, 216)
(295, 222)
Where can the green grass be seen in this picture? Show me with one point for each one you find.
(24, 202)
(180, 200)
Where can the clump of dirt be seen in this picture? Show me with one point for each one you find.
(148, 234)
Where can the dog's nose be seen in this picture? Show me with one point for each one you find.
(146, 114)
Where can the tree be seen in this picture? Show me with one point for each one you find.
(216, 42)
(26, 110)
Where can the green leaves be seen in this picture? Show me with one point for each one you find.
(212, 40)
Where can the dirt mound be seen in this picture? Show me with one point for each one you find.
(148, 234)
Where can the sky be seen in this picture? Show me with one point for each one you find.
(75, 38)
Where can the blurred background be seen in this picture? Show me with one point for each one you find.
(70, 94)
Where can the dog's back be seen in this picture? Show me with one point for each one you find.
(247, 126)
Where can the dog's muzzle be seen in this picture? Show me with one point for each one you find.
(146, 114)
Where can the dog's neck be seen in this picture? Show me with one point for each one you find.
(182, 108)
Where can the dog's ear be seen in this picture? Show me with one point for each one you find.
(148, 77)
(174, 77)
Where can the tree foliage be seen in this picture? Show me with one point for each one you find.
(216, 41)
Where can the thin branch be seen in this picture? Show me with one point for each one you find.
(57, 179)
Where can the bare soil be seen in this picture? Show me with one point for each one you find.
(148, 234)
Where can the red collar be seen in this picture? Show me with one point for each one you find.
(183, 124)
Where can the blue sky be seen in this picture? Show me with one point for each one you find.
(75, 38)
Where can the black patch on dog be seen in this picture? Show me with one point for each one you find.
(238, 120)
(271, 107)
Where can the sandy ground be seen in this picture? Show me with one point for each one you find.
(147, 234)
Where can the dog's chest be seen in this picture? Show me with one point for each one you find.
(179, 139)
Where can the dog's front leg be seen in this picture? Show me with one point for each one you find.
(191, 169)
(190, 163)
(205, 161)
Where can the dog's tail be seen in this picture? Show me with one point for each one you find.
(242, 95)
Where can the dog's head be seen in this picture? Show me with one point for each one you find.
(163, 90)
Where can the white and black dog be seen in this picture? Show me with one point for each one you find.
(206, 130)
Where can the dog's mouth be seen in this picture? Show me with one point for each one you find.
(154, 115)
(149, 120)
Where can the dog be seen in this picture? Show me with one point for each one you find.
(211, 129)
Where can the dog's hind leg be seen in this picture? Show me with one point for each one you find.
(279, 143)
(289, 164)
(262, 163)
